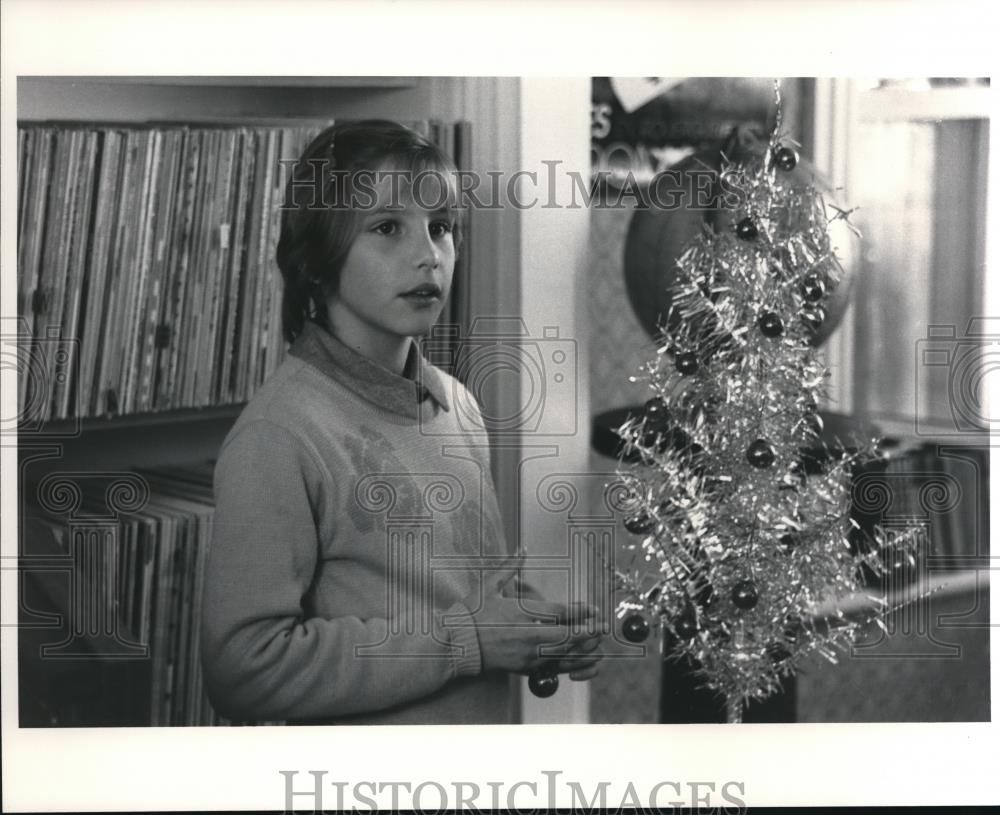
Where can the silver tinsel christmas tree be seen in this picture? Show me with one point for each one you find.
(743, 546)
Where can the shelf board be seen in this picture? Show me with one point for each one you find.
(367, 82)
(908, 431)
(64, 427)
(938, 583)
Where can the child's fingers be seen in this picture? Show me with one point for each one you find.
(569, 664)
(585, 674)
(509, 570)
(574, 614)
(588, 645)
(561, 639)
(565, 665)
(581, 612)
(549, 618)
(570, 655)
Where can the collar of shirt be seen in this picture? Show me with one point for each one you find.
(380, 386)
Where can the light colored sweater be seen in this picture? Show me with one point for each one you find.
(354, 511)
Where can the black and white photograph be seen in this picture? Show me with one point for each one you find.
(454, 435)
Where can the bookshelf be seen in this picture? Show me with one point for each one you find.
(91, 687)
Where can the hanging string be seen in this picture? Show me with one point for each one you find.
(777, 106)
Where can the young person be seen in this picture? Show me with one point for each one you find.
(358, 571)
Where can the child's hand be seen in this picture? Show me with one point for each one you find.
(583, 661)
(521, 637)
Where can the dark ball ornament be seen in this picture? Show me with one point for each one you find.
(813, 288)
(788, 542)
(655, 439)
(745, 595)
(785, 158)
(770, 324)
(635, 628)
(543, 683)
(656, 413)
(686, 625)
(640, 524)
(746, 230)
(760, 454)
(686, 363)
(777, 652)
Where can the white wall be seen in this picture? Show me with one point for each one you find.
(555, 126)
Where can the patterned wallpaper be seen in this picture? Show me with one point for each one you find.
(627, 689)
(619, 345)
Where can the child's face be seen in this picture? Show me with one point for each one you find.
(398, 271)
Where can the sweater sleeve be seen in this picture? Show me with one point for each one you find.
(263, 659)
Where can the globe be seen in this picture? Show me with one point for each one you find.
(658, 235)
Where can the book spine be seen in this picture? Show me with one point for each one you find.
(179, 324)
(270, 215)
(204, 538)
(44, 297)
(187, 639)
(27, 191)
(244, 177)
(164, 336)
(63, 277)
(109, 349)
(159, 622)
(137, 315)
(31, 270)
(197, 306)
(222, 244)
(79, 263)
(97, 269)
(127, 267)
(162, 228)
(258, 198)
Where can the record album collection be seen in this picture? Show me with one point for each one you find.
(148, 575)
(146, 278)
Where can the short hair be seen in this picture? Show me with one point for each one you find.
(318, 228)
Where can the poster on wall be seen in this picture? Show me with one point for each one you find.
(644, 125)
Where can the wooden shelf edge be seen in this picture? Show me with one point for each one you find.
(64, 428)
